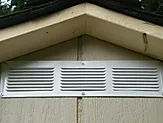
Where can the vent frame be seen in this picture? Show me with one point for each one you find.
(58, 65)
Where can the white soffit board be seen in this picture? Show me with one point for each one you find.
(82, 78)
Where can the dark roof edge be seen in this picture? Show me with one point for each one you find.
(54, 6)
(130, 11)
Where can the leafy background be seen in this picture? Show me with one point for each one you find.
(12, 6)
(155, 6)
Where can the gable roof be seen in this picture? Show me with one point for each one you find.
(82, 19)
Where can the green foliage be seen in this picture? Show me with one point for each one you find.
(4, 8)
(12, 6)
(150, 5)
(155, 6)
(8, 7)
(19, 4)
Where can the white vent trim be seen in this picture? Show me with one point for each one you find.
(82, 78)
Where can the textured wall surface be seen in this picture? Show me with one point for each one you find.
(94, 49)
(82, 110)
(122, 110)
(38, 110)
(63, 51)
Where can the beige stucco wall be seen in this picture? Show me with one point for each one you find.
(82, 110)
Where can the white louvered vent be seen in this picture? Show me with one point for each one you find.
(83, 79)
(30, 79)
(135, 79)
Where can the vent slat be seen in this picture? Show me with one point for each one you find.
(28, 89)
(136, 89)
(83, 73)
(135, 71)
(135, 83)
(91, 80)
(31, 74)
(83, 89)
(83, 76)
(90, 70)
(29, 83)
(81, 68)
(29, 86)
(136, 86)
(83, 86)
(31, 71)
(135, 79)
(83, 79)
(134, 68)
(81, 83)
(134, 74)
(30, 79)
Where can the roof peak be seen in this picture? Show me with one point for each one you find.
(86, 18)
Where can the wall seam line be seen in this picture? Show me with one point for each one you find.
(79, 99)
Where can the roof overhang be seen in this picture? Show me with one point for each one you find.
(86, 18)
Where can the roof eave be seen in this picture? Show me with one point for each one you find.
(86, 18)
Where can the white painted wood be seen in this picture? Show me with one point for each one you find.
(124, 21)
(122, 110)
(43, 110)
(154, 47)
(17, 47)
(115, 34)
(43, 22)
(64, 51)
(82, 19)
(124, 31)
(96, 49)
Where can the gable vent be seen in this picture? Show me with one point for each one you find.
(30, 79)
(135, 79)
(83, 79)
